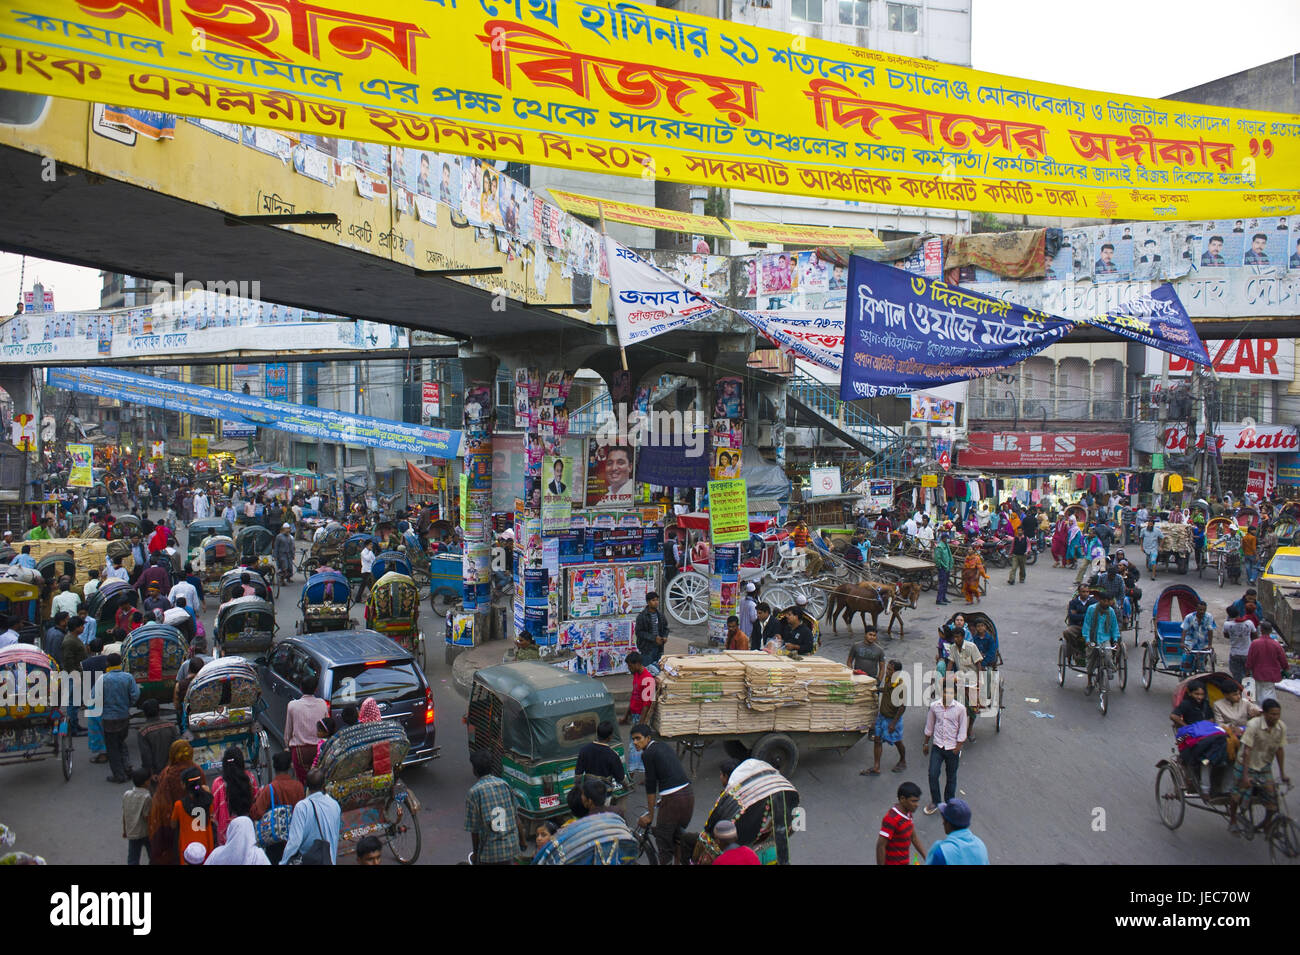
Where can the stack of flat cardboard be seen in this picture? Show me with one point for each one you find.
(707, 678)
(773, 682)
(86, 553)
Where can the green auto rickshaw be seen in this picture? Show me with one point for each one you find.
(534, 719)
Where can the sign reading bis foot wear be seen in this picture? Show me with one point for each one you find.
(649, 92)
(1027, 450)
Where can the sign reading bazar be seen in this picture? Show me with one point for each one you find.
(1257, 359)
(1038, 450)
(1239, 439)
(650, 92)
(904, 332)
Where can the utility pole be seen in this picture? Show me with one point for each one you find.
(365, 410)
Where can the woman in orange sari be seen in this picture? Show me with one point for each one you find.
(170, 788)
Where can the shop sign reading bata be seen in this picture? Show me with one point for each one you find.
(1239, 439)
(1029, 450)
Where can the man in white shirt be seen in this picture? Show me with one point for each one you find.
(314, 503)
(367, 565)
(201, 508)
(228, 513)
(116, 570)
(66, 599)
(183, 588)
(10, 635)
(92, 584)
(910, 527)
(925, 533)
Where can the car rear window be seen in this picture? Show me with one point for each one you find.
(1285, 565)
(389, 683)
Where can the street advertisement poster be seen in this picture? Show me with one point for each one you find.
(726, 464)
(199, 446)
(1288, 468)
(729, 400)
(897, 324)
(464, 501)
(609, 474)
(824, 481)
(590, 592)
(429, 404)
(321, 423)
(816, 336)
(157, 450)
(81, 472)
(557, 508)
(277, 381)
(535, 586)
(933, 410)
(880, 494)
(728, 511)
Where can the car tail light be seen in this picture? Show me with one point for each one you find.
(428, 706)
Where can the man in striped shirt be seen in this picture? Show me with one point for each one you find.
(897, 833)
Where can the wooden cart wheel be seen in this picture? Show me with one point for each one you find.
(688, 599)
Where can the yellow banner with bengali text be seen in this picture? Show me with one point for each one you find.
(650, 92)
(631, 214)
(749, 231)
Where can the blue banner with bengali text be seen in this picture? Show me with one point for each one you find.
(905, 332)
(320, 423)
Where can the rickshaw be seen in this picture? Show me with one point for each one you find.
(393, 609)
(220, 710)
(20, 601)
(325, 602)
(245, 625)
(153, 654)
(996, 687)
(125, 526)
(40, 730)
(446, 582)
(1075, 658)
(105, 602)
(391, 561)
(232, 584)
(252, 542)
(351, 558)
(326, 552)
(761, 802)
(600, 838)
(54, 566)
(1176, 789)
(533, 719)
(1166, 652)
(361, 765)
(97, 497)
(206, 527)
(219, 556)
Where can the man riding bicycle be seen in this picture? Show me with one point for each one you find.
(1100, 628)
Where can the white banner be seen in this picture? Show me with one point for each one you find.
(1260, 359)
(817, 337)
(1239, 439)
(647, 300)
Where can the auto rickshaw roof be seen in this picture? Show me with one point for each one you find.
(537, 699)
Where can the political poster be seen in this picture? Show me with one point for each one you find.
(82, 472)
(610, 470)
(728, 512)
(648, 301)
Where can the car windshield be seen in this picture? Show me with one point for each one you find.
(388, 683)
(1285, 565)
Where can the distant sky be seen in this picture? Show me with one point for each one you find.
(1147, 48)
(1143, 47)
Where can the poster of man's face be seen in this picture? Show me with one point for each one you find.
(610, 470)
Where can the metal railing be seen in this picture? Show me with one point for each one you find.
(887, 444)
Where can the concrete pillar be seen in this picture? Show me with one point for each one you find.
(480, 391)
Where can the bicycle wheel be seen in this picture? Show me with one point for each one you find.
(1103, 687)
(403, 832)
(1284, 841)
(646, 850)
(1171, 801)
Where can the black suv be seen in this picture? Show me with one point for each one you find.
(349, 666)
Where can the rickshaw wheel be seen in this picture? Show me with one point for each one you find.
(997, 722)
(403, 832)
(1148, 668)
(440, 602)
(1123, 669)
(1060, 664)
(1284, 841)
(264, 772)
(1171, 801)
(65, 755)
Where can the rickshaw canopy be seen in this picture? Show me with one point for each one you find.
(240, 607)
(314, 590)
(547, 713)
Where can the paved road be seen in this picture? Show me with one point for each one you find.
(1075, 788)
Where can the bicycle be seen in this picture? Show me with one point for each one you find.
(1107, 654)
(647, 848)
(1280, 831)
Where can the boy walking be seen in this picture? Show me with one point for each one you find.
(889, 719)
(897, 831)
(136, 803)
